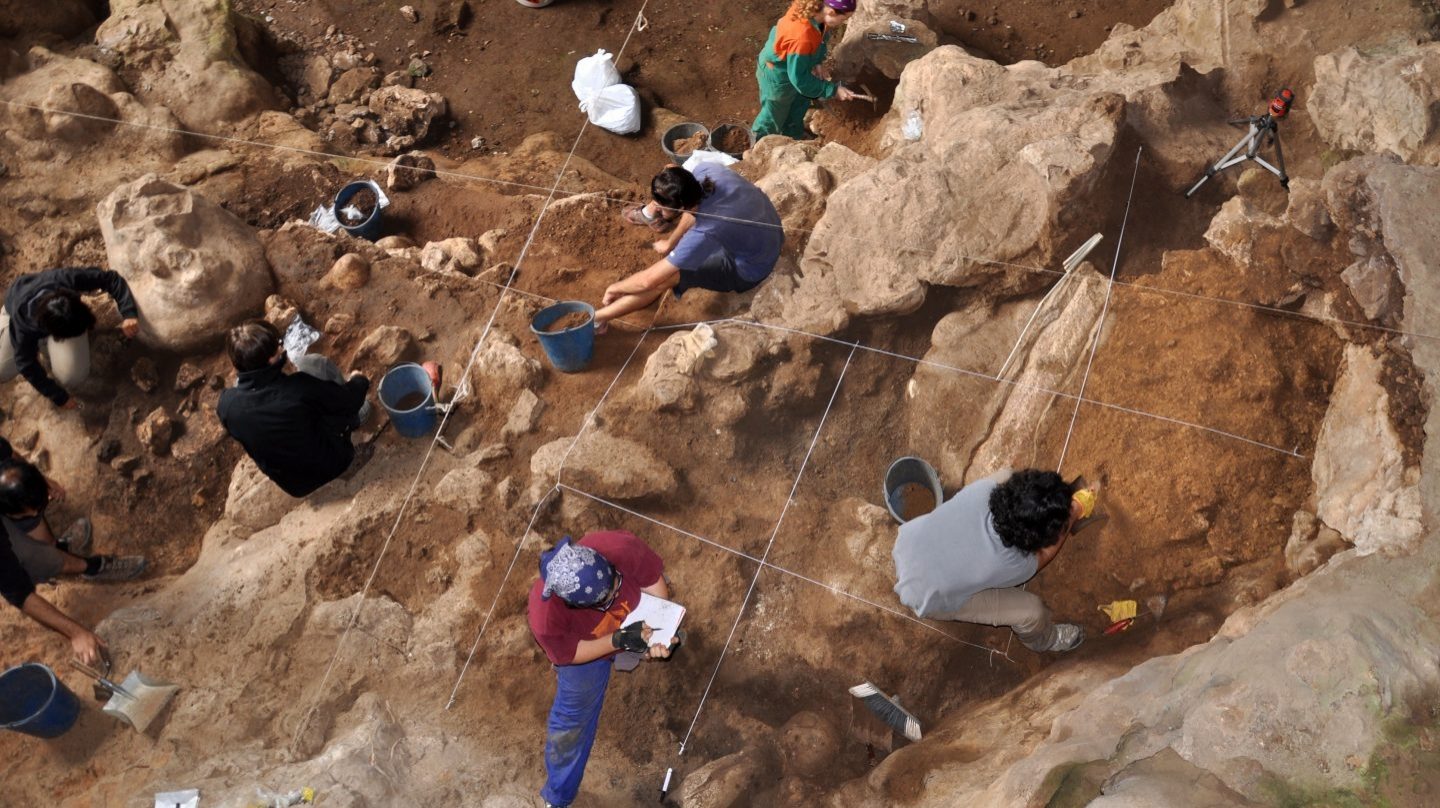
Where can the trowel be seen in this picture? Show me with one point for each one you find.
(137, 700)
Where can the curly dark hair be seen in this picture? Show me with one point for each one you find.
(1031, 509)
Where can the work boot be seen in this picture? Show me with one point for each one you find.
(77, 537)
(117, 568)
(1068, 637)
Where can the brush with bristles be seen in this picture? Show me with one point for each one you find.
(888, 710)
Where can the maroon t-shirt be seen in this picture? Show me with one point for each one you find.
(559, 628)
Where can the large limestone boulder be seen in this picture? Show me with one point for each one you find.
(191, 56)
(604, 465)
(1381, 99)
(1005, 155)
(253, 500)
(68, 88)
(1363, 487)
(194, 267)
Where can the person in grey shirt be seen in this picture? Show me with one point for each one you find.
(966, 560)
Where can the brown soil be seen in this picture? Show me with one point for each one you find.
(574, 319)
(691, 144)
(1187, 520)
(363, 203)
(734, 142)
(912, 500)
(410, 401)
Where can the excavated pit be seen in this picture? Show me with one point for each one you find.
(779, 455)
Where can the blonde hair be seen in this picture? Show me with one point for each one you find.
(804, 9)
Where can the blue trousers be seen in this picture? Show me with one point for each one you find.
(570, 731)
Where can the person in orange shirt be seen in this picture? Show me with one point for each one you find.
(585, 591)
(790, 68)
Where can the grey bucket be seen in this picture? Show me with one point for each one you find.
(718, 136)
(679, 132)
(909, 470)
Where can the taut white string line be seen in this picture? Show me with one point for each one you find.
(776, 567)
(520, 546)
(1104, 309)
(1021, 385)
(445, 418)
(771, 543)
(1295, 315)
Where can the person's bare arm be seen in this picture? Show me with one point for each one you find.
(83, 641)
(591, 650)
(665, 245)
(660, 589)
(652, 277)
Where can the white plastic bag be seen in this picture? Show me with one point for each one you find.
(593, 74)
(701, 156)
(616, 108)
(606, 101)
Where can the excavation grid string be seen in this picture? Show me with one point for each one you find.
(1011, 382)
(833, 233)
(1104, 310)
(768, 545)
(776, 567)
(520, 545)
(430, 451)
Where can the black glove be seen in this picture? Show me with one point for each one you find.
(630, 638)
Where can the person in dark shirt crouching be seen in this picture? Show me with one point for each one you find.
(31, 554)
(295, 426)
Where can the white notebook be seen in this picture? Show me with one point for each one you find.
(663, 616)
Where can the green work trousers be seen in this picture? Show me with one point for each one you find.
(782, 109)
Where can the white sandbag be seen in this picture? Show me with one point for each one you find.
(616, 108)
(700, 156)
(593, 74)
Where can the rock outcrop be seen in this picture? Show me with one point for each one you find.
(992, 154)
(1363, 487)
(191, 53)
(604, 465)
(1381, 100)
(194, 268)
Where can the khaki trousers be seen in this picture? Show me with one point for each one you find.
(1024, 612)
(69, 359)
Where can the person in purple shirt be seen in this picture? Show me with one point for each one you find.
(726, 237)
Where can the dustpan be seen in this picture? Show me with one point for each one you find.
(139, 700)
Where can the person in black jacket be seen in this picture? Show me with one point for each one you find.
(44, 312)
(30, 553)
(296, 426)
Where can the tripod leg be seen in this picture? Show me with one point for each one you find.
(1222, 163)
(1280, 159)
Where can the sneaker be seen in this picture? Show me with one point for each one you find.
(118, 568)
(77, 538)
(1068, 637)
(634, 213)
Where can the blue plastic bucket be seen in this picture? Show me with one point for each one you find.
(569, 350)
(368, 229)
(409, 398)
(34, 702)
(908, 481)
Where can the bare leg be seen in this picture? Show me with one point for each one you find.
(636, 292)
